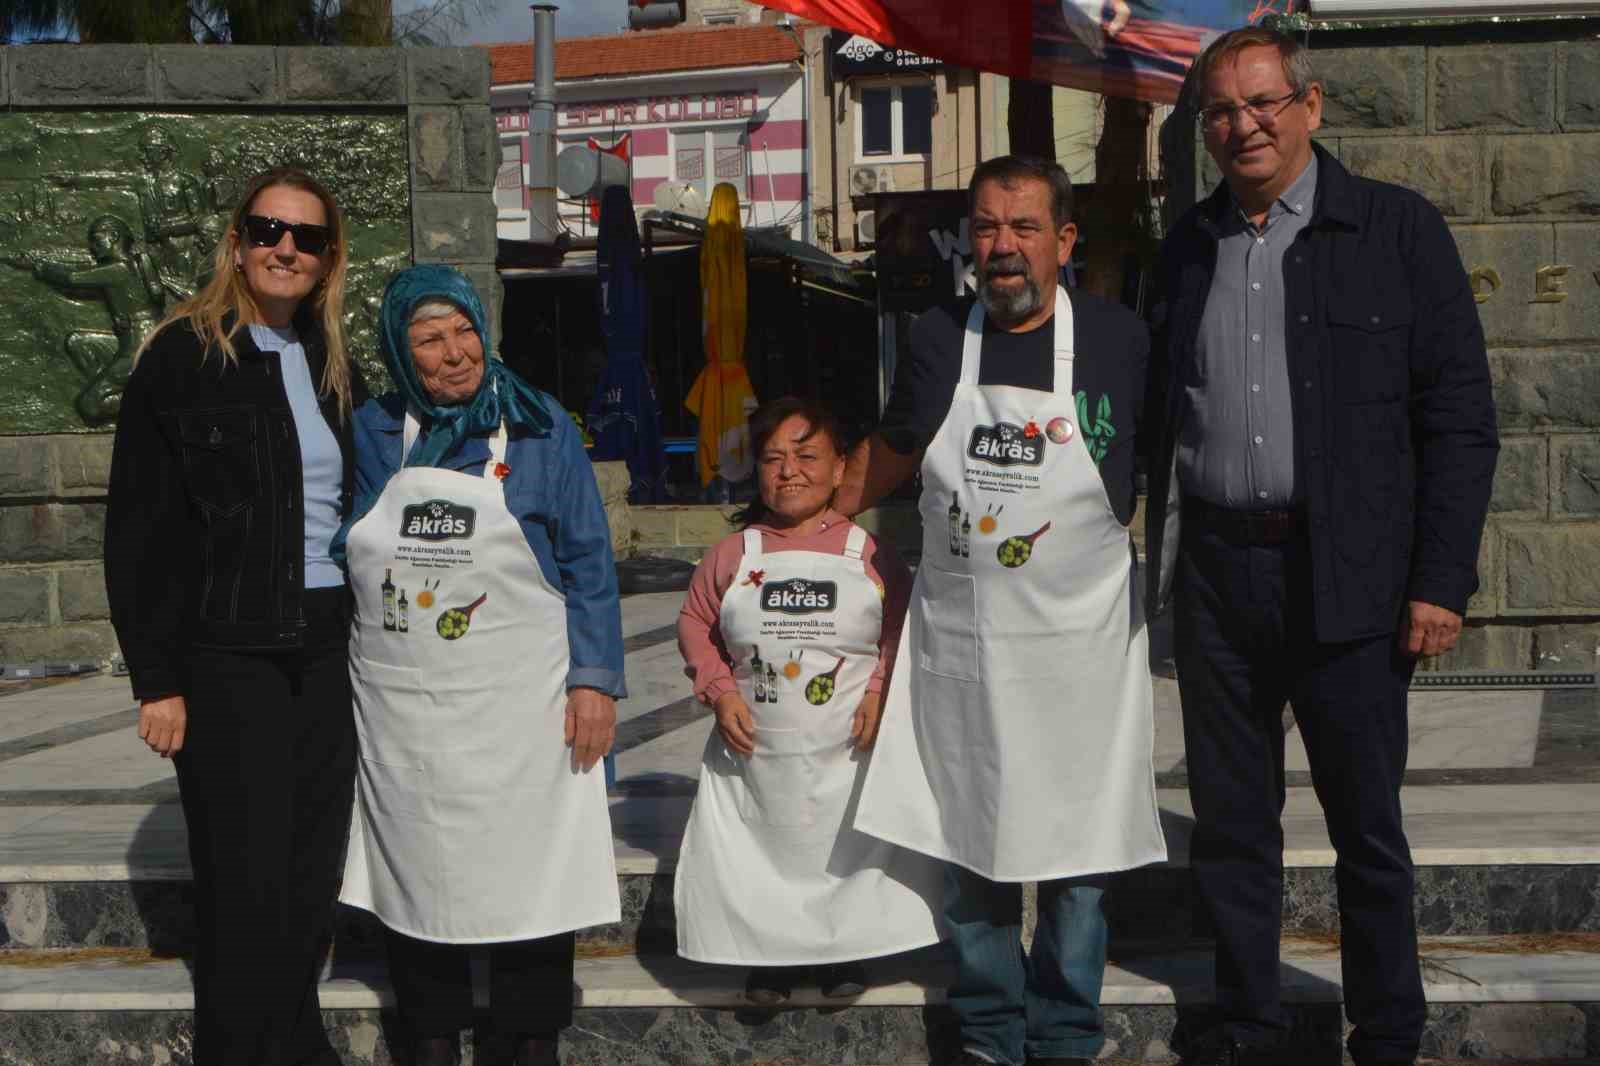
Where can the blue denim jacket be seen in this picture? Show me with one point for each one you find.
(552, 493)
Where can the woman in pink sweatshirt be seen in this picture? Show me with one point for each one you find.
(789, 632)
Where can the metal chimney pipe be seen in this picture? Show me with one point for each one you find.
(543, 225)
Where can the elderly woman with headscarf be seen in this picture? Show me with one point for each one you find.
(486, 655)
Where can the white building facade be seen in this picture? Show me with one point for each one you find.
(687, 129)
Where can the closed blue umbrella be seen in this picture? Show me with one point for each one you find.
(624, 417)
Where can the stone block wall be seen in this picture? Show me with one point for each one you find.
(52, 517)
(52, 488)
(1504, 136)
(613, 480)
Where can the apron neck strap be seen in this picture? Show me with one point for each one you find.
(855, 543)
(752, 542)
(497, 449)
(413, 429)
(972, 345)
(1063, 342)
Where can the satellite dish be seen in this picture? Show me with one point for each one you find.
(681, 197)
(582, 171)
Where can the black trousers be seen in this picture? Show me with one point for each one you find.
(266, 775)
(1245, 647)
(530, 985)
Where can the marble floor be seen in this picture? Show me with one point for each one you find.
(1510, 774)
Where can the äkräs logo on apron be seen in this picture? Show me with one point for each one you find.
(799, 596)
(438, 520)
(1006, 444)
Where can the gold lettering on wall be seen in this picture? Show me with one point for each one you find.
(1549, 285)
(1485, 283)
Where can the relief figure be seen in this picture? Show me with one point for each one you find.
(128, 281)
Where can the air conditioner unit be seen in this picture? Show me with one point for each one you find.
(864, 181)
(866, 228)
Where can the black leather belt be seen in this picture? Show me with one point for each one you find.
(1260, 528)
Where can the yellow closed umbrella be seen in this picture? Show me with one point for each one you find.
(722, 396)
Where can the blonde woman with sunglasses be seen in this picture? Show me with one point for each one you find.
(231, 473)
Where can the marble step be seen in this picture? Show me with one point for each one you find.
(1491, 859)
(1511, 998)
(1155, 906)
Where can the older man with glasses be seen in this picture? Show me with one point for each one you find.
(1327, 447)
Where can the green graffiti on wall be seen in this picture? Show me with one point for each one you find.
(108, 220)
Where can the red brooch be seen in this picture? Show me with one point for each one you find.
(1031, 430)
(754, 577)
(501, 470)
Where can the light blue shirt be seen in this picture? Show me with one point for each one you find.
(321, 465)
(1237, 445)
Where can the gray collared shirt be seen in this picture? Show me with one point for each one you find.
(1236, 448)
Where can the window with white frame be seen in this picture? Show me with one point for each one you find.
(508, 179)
(894, 120)
(708, 158)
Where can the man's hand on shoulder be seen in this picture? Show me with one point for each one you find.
(1429, 630)
(873, 471)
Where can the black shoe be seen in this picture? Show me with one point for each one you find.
(1219, 1052)
(768, 986)
(971, 1058)
(437, 1051)
(537, 1051)
(844, 980)
(1034, 1061)
(1223, 1050)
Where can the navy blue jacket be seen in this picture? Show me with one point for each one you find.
(1394, 416)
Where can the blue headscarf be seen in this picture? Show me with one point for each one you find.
(501, 395)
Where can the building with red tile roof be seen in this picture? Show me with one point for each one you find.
(649, 52)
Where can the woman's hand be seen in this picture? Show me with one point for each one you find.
(162, 723)
(591, 725)
(864, 726)
(735, 723)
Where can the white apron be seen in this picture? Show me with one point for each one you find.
(770, 872)
(1017, 734)
(471, 824)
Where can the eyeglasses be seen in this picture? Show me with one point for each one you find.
(263, 231)
(1265, 112)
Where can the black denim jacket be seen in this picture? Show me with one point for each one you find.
(205, 527)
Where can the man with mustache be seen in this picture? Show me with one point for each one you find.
(1327, 438)
(1016, 737)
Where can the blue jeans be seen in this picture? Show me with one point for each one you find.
(1011, 1005)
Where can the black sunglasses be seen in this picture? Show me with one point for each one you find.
(265, 232)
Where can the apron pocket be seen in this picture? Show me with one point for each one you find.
(392, 721)
(780, 780)
(393, 792)
(947, 624)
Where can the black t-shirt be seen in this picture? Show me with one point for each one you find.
(1111, 349)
